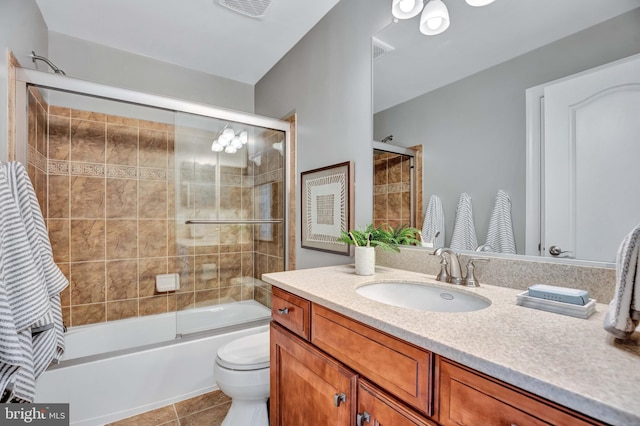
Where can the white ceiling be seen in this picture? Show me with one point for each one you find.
(478, 38)
(202, 35)
(197, 34)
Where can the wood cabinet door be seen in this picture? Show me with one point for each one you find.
(376, 408)
(308, 387)
(469, 398)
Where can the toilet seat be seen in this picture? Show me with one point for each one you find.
(247, 353)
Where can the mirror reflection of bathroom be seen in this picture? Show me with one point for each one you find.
(397, 179)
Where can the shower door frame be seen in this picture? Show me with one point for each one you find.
(25, 77)
(411, 153)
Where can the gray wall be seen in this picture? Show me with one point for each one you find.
(473, 130)
(22, 30)
(326, 80)
(99, 63)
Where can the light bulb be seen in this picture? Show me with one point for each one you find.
(434, 23)
(244, 137)
(479, 3)
(236, 143)
(224, 140)
(406, 9)
(407, 5)
(230, 149)
(228, 133)
(216, 147)
(435, 18)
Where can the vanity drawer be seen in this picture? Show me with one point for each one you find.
(467, 397)
(291, 311)
(398, 367)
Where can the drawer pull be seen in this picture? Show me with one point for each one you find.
(338, 398)
(364, 417)
(283, 311)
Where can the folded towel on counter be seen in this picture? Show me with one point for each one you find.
(500, 234)
(434, 222)
(623, 315)
(464, 230)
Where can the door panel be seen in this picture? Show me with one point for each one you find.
(591, 149)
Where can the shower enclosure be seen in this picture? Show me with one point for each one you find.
(133, 186)
(397, 185)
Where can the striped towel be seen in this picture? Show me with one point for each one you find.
(433, 222)
(30, 286)
(500, 234)
(464, 231)
(623, 315)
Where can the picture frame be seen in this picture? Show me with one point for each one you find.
(327, 207)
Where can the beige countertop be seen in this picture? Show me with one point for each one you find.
(568, 360)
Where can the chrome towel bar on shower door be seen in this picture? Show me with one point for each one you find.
(231, 222)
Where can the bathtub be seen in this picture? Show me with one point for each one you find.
(118, 369)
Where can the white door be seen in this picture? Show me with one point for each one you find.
(592, 161)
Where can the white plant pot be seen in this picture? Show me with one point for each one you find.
(365, 260)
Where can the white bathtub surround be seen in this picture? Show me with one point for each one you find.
(365, 260)
(103, 388)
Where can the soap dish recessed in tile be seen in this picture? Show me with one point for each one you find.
(578, 311)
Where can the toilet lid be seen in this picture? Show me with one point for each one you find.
(246, 353)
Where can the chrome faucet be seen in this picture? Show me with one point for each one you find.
(453, 274)
(470, 279)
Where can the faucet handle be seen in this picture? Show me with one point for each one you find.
(470, 280)
(443, 275)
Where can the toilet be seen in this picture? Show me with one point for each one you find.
(242, 373)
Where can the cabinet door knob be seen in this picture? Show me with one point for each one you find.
(338, 398)
(361, 418)
(283, 311)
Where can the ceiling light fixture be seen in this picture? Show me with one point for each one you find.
(435, 15)
(478, 3)
(435, 18)
(406, 9)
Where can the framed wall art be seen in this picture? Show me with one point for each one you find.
(327, 207)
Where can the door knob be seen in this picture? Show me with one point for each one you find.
(556, 251)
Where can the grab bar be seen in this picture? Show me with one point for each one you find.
(231, 222)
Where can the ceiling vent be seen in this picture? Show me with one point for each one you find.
(380, 48)
(252, 8)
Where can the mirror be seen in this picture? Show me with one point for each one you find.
(461, 94)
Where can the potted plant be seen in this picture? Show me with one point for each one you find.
(367, 239)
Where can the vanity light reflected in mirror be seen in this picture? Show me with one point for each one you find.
(467, 109)
(435, 14)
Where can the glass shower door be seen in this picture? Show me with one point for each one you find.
(229, 220)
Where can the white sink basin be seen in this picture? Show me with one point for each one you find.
(424, 297)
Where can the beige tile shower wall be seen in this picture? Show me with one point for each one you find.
(109, 200)
(110, 213)
(392, 189)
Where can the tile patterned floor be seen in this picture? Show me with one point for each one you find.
(204, 410)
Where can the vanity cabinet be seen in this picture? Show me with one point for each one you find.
(467, 397)
(308, 387)
(322, 376)
(328, 369)
(375, 407)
